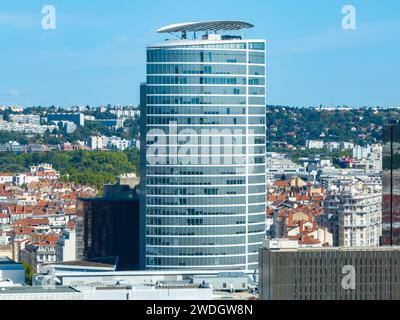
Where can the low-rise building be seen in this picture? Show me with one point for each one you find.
(314, 144)
(66, 244)
(40, 253)
(25, 118)
(12, 270)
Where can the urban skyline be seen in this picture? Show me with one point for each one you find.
(206, 187)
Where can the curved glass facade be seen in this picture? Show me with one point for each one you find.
(205, 154)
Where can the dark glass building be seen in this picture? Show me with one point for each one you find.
(391, 184)
(111, 227)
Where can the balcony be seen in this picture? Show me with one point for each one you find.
(356, 225)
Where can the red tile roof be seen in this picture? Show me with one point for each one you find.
(281, 183)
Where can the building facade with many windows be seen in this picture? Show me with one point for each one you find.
(203, 174)
(354, 211)
(357, 273)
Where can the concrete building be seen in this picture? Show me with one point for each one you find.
(12, 270)
(39, 253)
(360, 153)
(40, 293)
(103, 142)
(332, 146)
(89, 277)
(26, 127)
(225, 281)
(25, 118)
(97, 142)
(66, 246)
(376, 157)
(77, 118)
(369, 158)
(356, 211)
(347, 145)
(279, 167)
(330, 273)
(126, 112)
(332, 176)
(162, 291)
(314, 144)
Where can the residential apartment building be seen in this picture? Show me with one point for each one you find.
(25, 118)
(278, 167)
(354, 211)
(66, 244)
(40, 253)
(314, 144)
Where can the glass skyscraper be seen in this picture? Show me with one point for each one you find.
(203, 149)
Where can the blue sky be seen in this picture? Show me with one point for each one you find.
(96, 55)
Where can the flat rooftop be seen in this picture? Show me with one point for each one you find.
(7, 261)
(36, 289)
(84, 264)
(383, 248)
(104, 264)
(141, 273)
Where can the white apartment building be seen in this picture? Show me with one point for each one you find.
(25, 118)
(103, 142)
(332, 146)
(6, 177)
(360, 153)
(25, 127)
(276, 167)
(355, 210)
(369, 158)
(314, 144)
(96, 143)
(375, 157)
(66, 246)
(118, 143)
(39, 253)
(332, 176)
(126, 112)
(347, 145)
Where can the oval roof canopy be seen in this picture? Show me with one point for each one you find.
(206, 26)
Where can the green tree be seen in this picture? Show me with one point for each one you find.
(28, 272)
